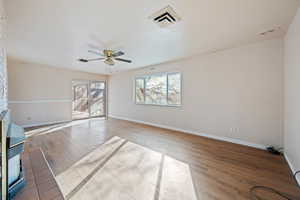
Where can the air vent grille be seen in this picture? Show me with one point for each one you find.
(165, 17)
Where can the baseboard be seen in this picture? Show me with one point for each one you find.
(44, 123)
(226, 139)
(293, 169)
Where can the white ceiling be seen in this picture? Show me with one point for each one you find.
(57, 32)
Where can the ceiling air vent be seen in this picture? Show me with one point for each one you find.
(165, 17)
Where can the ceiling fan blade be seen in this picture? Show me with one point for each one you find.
(117, 54)
(123, 60)
(96, 52)
(83, 60)
(88, 60)
(96, 59)
(93, 46)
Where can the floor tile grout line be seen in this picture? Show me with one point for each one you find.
(86, 179)
(34, 175)
(194, 182)
(159, 177)
(51, 172)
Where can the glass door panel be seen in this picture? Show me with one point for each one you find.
(80, 103)
(89, 99)
(97, 98)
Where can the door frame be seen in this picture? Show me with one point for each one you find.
(88, 82)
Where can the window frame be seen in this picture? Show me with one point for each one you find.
(167, 89)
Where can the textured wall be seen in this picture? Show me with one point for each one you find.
(236, 93)
(3, 72)
(292, 94)
(40, 94)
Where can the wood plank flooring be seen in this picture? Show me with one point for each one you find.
(219, 170)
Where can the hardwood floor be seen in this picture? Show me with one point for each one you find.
(219, 170)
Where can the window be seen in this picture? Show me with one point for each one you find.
(158, 89)
(140, 90)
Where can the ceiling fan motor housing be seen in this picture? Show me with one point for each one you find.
(108, 53)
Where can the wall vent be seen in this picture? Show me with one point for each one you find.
(165, 17)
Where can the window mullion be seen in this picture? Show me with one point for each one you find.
(167, 92)
(144, 90)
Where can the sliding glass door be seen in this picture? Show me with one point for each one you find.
(80, 103)
(89, 99)
(97, 98)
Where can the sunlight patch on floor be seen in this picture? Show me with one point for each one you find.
(57, 127)
(73, 177)
(176, 181)
(122, 170)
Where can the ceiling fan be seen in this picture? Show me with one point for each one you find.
(109, 57)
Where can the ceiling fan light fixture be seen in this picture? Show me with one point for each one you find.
(109, 61)
(109, 57)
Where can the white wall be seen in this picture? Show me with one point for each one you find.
(3, 74)
(292, 94)
(40, 94)
(240, 88)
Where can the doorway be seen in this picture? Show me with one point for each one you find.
(89, 99)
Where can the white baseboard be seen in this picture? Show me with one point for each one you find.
(44, 123)
(226, 139)
(293, 169)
